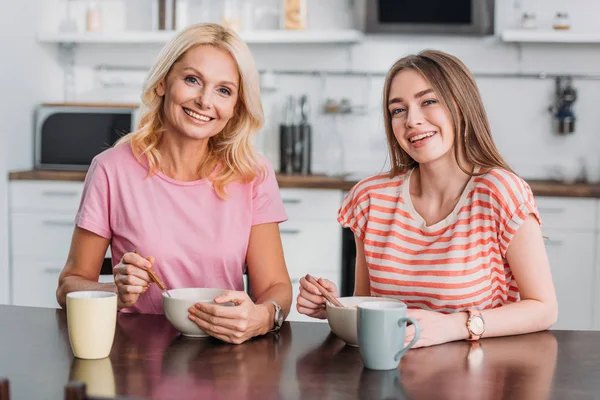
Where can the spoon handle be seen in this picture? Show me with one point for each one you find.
(324, 291)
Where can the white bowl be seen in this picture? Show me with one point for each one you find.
(342, 320)
(176, 307)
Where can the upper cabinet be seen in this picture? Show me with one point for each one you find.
(337, 36)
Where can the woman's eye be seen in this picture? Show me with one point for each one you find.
(191, 79)
(428, 102)
(225, 91)
(396, 111)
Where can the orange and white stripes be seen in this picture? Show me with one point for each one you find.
(455, 264)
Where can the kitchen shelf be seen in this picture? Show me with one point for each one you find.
(549, 36)
(348, 36)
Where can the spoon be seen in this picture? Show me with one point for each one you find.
(156, 279)
(324, 291)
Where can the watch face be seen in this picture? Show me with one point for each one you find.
(476, 325)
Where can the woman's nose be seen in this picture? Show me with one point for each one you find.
(414, 117)
(204, 100)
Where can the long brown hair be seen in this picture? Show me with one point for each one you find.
(455, 86)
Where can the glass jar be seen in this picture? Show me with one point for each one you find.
(561, 21)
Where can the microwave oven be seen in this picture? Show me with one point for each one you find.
(443, 17)
(69, 136)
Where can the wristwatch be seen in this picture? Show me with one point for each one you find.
(475, 324)
(278, 320)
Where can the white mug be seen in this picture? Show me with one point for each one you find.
(91, 320)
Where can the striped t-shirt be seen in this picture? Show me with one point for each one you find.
(455, 264)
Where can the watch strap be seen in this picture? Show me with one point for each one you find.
(277, 320)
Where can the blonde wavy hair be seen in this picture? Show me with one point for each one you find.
(230, 155)
(455, 86)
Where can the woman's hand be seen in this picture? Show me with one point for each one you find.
(436, 328)
(310, 301)
(233, 324)
(132, 278)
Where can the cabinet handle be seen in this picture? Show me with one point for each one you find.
(552, 242)
(57, 223)
(52, 270)
(551, 210)
(292, 201)
(56, 193)
(289, 231)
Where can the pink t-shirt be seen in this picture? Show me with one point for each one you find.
(198, 239)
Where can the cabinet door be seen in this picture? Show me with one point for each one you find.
(313, 247)
(571, 256)
(41, 236)
(294, 314)
(34, 284)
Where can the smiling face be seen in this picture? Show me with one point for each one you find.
(420, 122)
(200, 93)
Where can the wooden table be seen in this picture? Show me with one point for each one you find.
(150, 360)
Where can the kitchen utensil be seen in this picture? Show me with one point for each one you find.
(286, 138)
(305, 138)
(156, 279)
(324, 291)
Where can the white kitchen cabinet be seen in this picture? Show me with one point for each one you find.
(570, 227)
(311, 238)
(42, 219)
(571, 256)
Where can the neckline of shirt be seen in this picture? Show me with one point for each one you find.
(449, 219)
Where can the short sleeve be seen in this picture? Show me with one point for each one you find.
(517, 205)
(267, 205)
(354, 211)
(94, 209)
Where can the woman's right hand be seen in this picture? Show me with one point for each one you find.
(310, 301)
(131, 277)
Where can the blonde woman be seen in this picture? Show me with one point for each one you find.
(450, 230)
(186, 194)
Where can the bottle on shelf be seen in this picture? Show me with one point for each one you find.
(561, 21)
(294, 14)
(93, 21)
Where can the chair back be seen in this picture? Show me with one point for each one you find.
(4, 389)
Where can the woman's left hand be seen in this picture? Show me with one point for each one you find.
(436, 328)
(234, 324)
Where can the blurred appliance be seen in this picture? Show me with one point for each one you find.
(295, 137)
(68, 137)
(348, 262)
(457, 17)
(562, 110)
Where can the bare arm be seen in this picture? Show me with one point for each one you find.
(82, 269)
(538, 308)
(267, 271)
(362, 286)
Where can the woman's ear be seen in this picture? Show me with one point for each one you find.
(160, 88)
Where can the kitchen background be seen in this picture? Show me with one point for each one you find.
(332, 60)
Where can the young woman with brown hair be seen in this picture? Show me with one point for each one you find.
(451, 230)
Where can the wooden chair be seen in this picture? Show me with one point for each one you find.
(4, 389)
